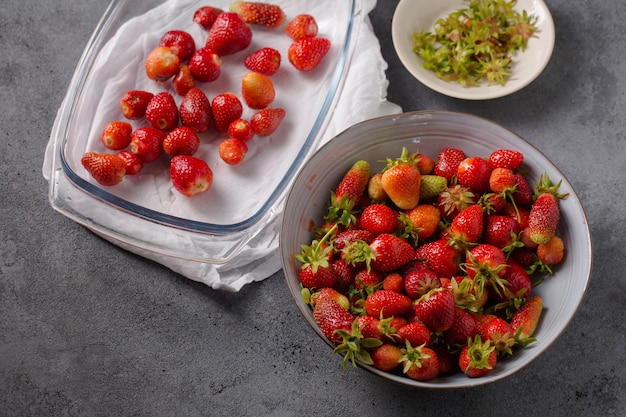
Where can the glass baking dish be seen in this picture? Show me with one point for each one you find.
(145, 211)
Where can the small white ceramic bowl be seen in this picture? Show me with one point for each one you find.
(414, 15)
(430, 132)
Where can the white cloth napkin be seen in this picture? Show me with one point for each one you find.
(363, 96)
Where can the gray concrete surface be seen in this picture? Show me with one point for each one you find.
(87, 329)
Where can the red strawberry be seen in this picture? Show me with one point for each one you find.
(305, 54)
(162, 112)
(332, 294)
(474, 172)
(436, 309)
(401, 181)
(347, 237)
(228, 34)
(447, 163)
(205, 65)
(116, 135)
(425, 164)
(543, 218)
(365, 279)
(523, 195)
(420, 363)
(315, 271)
(264, 14)
(132, 163)
(454, 199)
(467, 226)
(524, 322)
(257, 90)
(425, 220)
(354, 182)
(383, 303)
(265, 121)
(386, 357)
(107, 169)
(506, 158)
(161, 64)
(463, 328)
(133, 103)
(226, 107)
(378, 218)
(393, 282)
(501, 231)
(440, 257)
(302, 26)
(190, 175)
(233, 151)
(486, 265)
(330, 316)
(147, 143)
(181, 141)
(477, 358)
(265, 61)
(195, 110)
(390, 252)
(415, 332)
(419, 279)
(206, 15)
(499, 332)
(241, 129)
(370, 327)
(183, 81)
(344, 275)
(519, 283)
(180, 43)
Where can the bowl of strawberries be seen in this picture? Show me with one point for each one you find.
(435, 249)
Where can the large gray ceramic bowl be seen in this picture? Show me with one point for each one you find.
(430, 132)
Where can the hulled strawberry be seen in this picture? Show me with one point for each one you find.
(257, 13)
(205, 16)
(183, 81)
(107, 169)
(116, 135)
(190, 175)
(226, 107)
(257, 90)
(232, 151)
(162, 112)
(181, 43)
(133, 103)
(401, 181)
(477, 358)
(132, 163)
(195, 110)
(436, 309)
(265, 61)
(161, 64)
(265, 121)
(205, 65)
(229, 34)
(181, 141)
(305, 54)
(302, 26)
(147, 143)
(241, 129)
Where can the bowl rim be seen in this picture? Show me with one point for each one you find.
(537, 350)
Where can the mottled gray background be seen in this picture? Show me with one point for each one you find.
(87, 329)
